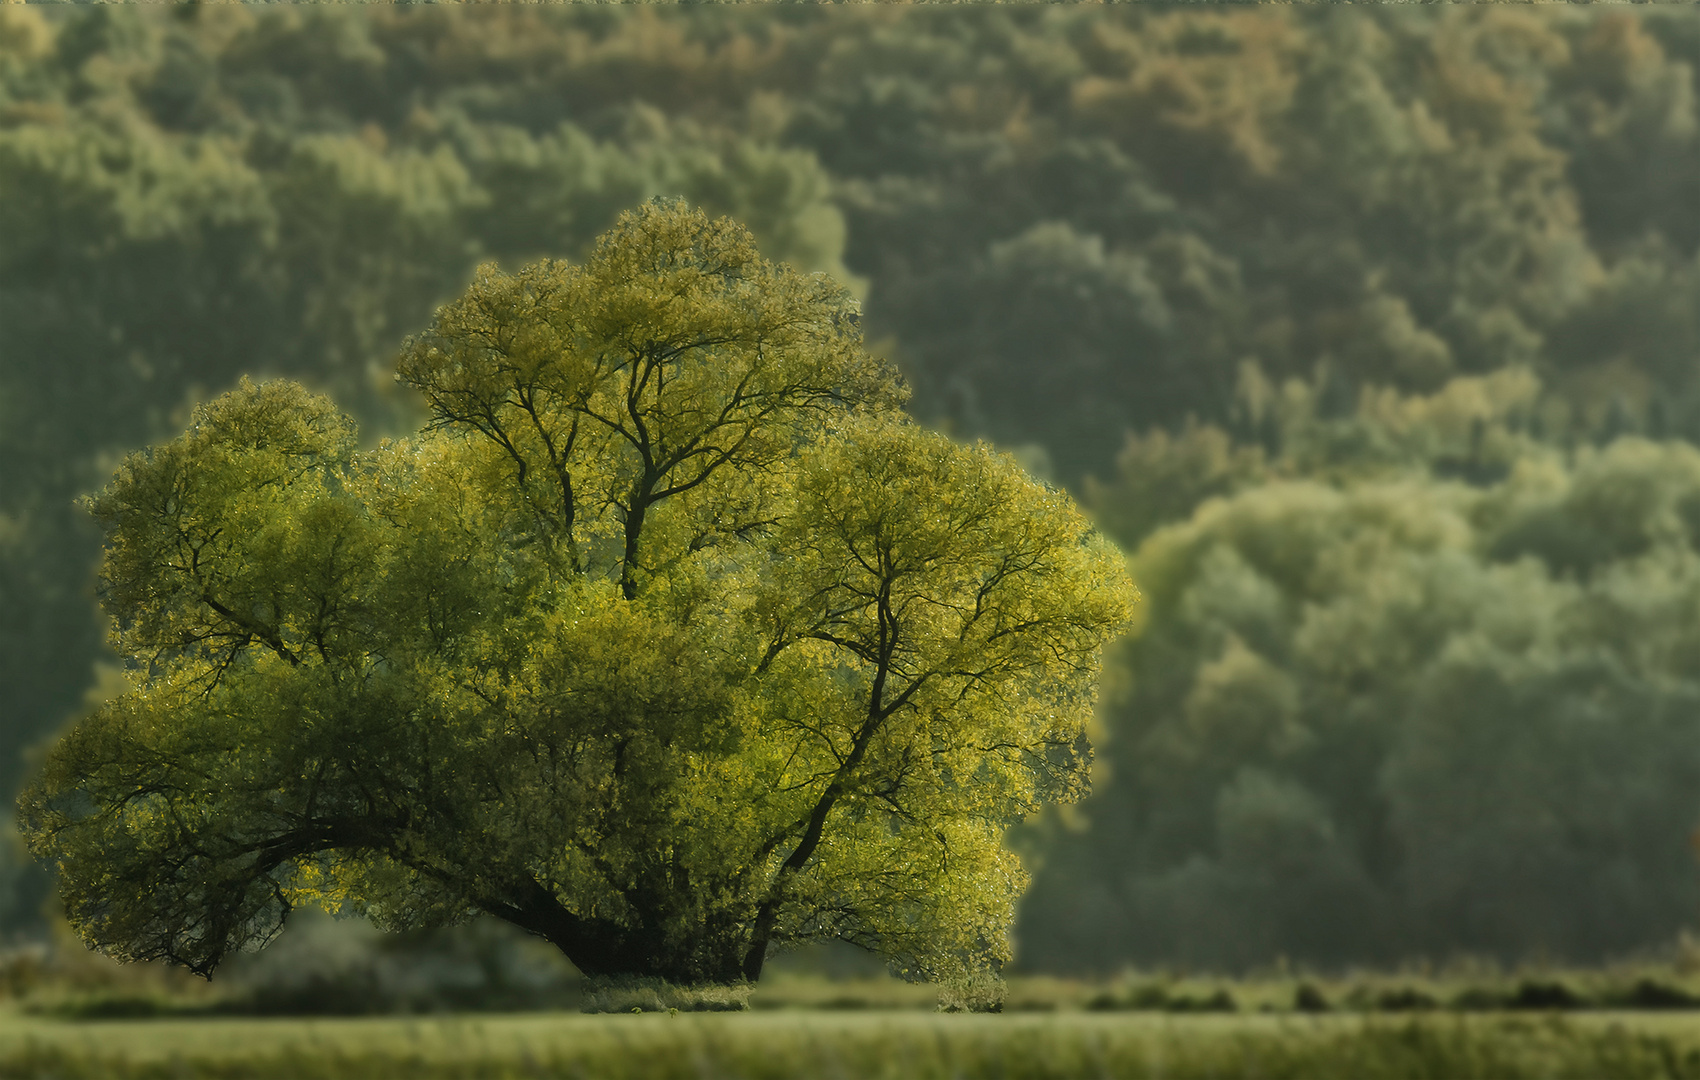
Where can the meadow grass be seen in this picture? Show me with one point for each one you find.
(83, 1017)
(870, 1044)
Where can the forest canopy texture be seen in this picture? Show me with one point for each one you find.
(669, 641)
(1321, 264)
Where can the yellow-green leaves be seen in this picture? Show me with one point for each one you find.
(669, 640)
(236, 532)
(974, 598)
(673, 359)
(954, 609)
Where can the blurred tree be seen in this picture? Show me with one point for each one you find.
(24, 888)
(1162, 478)
(667, 641)
(1393, 713)
(1396, 197)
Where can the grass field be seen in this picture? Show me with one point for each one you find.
(882, 1044)
(71, 1015)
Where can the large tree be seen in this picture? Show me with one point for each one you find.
(668, 640)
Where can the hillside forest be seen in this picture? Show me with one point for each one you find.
(1372, 336)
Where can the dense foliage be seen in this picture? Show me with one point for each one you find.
(668, 641)
(1398, 714)
(1248, 237)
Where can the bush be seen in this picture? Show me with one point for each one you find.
(977, 991)
(1544, 995)
(1653, 994)
(640, 995)
(1307, 998)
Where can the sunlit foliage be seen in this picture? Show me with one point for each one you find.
(669, 640)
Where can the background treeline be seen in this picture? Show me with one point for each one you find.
(1374, 335)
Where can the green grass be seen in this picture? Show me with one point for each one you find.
(873, 1044)
(72, 1015)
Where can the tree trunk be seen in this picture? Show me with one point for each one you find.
(602, 948)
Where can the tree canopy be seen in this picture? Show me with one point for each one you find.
(1164, 253)
(1424, 686)
(668, 640)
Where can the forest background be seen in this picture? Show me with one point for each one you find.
(1372, 335)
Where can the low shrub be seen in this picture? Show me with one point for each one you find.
(1405, 999)
(1307, 998)
(1544, 995)
(1479, 999)
(1219, 1001)
(640, 995)
(980, 991)
(22, 970)
(1653, 994)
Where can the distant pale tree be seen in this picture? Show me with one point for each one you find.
(1377, 711)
